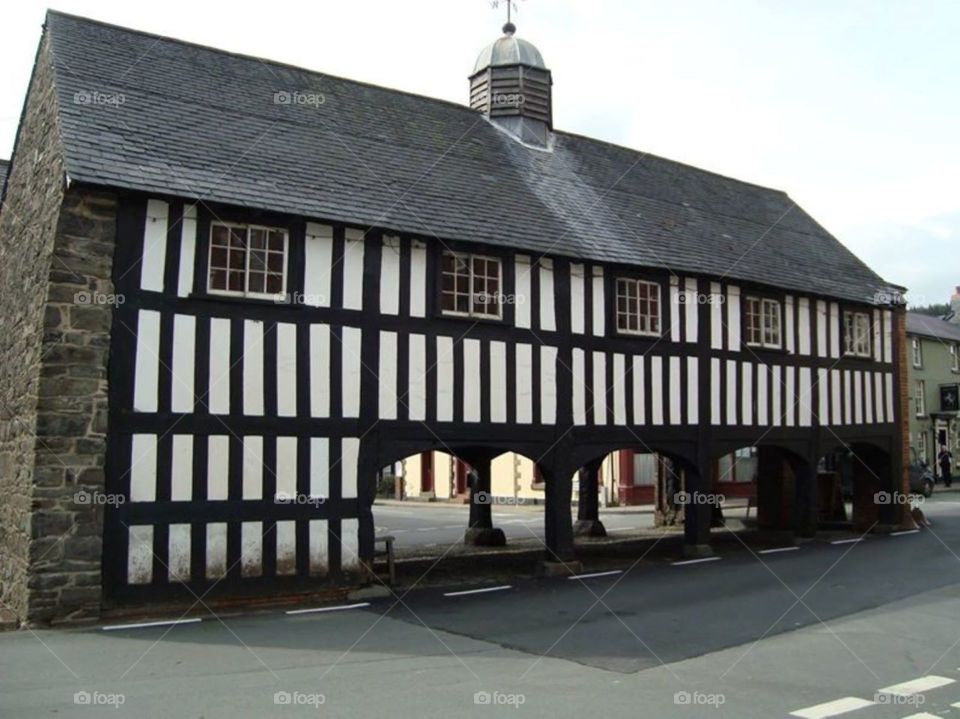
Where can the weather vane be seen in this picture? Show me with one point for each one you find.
(511, 6)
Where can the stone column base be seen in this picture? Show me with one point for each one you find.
(697, 551)
(485, 537)
(559, 569)
(589, 528)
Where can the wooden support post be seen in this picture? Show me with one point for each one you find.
(697, 511)
(558, 522)
(805, 505)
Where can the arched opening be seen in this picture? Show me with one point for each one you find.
(441, 503)
(859, 487)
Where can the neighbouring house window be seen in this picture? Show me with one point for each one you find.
(856, 334)
(922, 446)
(917, 352)
(763, 322)
(955, 357)
(921, 398)
(471, 285)
(638, 306)
(247, 261)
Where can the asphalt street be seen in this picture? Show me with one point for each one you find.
(861, 629)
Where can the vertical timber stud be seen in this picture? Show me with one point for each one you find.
(558, 468)
(368, 459)
(481, 531)
(588, 506)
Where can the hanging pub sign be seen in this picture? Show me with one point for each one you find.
(949, 397)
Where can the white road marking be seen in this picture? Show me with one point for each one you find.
(775, 550)
(917, 686)
(453, 526)
(923, 715)
(478, 591)
(695, 561)
(832, 709)
(317, 610)
(596, 574)
(905, 531)
(847, 541)
(424, 529)
(143, 625)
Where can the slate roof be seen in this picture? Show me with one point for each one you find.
(202, 123)
(920, 324)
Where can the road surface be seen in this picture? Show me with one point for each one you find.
(861, 629)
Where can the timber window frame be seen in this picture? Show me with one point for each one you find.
(247, 260)
(763, 322)
(857, 334)
(471, 285)
(917, 347)
(920, 398)
(955, 357)
(639, 307)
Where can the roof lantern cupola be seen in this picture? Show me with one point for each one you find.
(511, 85)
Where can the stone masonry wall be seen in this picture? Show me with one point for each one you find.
(67, 525)
(28, 220)
(56, 302)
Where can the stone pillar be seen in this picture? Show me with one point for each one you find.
(480, 531)
(698, 511)
(588, 507)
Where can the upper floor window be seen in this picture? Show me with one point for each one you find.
(247, 261)
(922, 446)
(856, 334)
(763, 322)
(638, 306)
(955, 357)
(921, 398)
(917, 352)
(471, 285)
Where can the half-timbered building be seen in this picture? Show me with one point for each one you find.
(246, 287)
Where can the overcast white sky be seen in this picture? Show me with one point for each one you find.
(853, 107)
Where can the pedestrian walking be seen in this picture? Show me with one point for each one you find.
(946, 464)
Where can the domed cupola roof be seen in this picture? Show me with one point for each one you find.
(509, 50)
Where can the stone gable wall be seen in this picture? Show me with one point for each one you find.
(56, 302)
(28, 221)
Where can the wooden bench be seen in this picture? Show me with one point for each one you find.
(387, 540)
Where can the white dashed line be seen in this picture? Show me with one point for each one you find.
(847, 541)
(775, 550)
(144, 625)
(832, 709)
(596, 574)
(905, 531)
(923, 715)
(917, 686)
(317, 610)
(695, 561)
(478, 591)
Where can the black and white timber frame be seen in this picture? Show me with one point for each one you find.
(219, 404)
